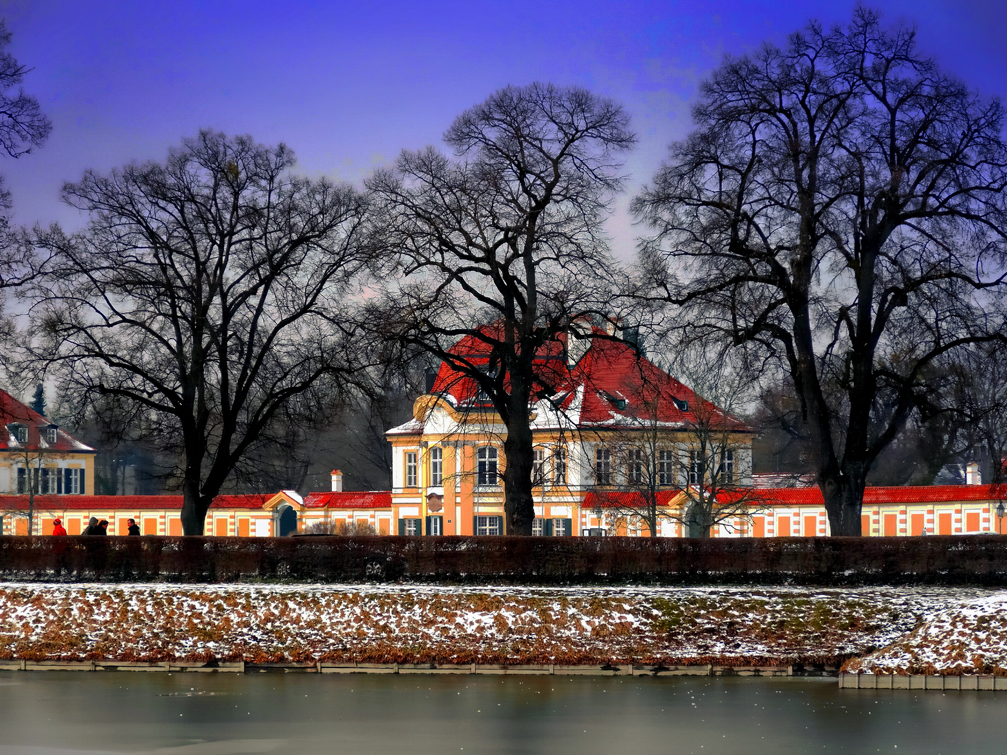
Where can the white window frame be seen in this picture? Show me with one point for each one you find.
(436, 467)
(727, 467)
(603, 466)
(436, 525)
(665, 467)
(487, 466)
(412, 470)
(487, 525)
(635, 467)
(694, 468)
(413, 527)
(51, 434)
(74, 479)
(537, 527)
(559, 465)
(538, 466)
(559, 527)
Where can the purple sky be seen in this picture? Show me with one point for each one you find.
(349, 84)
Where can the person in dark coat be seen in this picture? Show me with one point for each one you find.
(92, 527)
(133, 529)
(102, 527)
(57, 528)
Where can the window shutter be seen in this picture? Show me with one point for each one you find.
(59, 482)
(66, 481)
(402, 527)
(569, 527)
(22, 485)
(500, 527)
(426, 526)
(81, 473)
(475, 525)
(547, 527)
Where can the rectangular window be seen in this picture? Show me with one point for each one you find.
(411, 527)
(696, 468)
(50, 435)
(665, 467)
(435, 525)
(436, 467)
(603, 466)
(22, 480)
(538, 466)
(489, 525)
(537, 530)
(634, 468)
(561, 527)
(48, 482)
(727, 467)
(411, 477)
(559, 465)
(21, 433)
(486, 466)
(73, 481)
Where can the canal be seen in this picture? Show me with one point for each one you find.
(43, 713)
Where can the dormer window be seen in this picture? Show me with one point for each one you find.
(20, 432)
(681, 404)
(51, 434)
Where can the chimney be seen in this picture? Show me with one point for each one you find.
(972, 476)
(337, 481)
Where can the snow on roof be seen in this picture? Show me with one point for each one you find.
(412, 427)
(611, 385)
(14, 412)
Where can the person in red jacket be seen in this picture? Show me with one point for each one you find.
(57, 527)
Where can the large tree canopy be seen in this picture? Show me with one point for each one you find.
(506, 235)
(839, 207)
(208, 294)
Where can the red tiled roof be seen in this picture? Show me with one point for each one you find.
(625, 498)
(885, 494)
(126, 502)
(13, 411)
(373, 499)
(618, 386)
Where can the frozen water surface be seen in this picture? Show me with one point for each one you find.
(196, 714)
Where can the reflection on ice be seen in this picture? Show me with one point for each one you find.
(225, 714)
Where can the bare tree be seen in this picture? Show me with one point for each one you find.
(503, 245)
(22, 127)
(840, 207)
(208, 293)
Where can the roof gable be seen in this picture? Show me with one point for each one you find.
(14, 412)
(611, 385)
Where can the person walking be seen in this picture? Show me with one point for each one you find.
(92, 527)
(102, 527)
(133, 529)
(57, 527)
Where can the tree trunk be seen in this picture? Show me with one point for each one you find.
(193, 508)
(844, 496)
(519, 505)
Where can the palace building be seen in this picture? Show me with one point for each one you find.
(606, 419)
